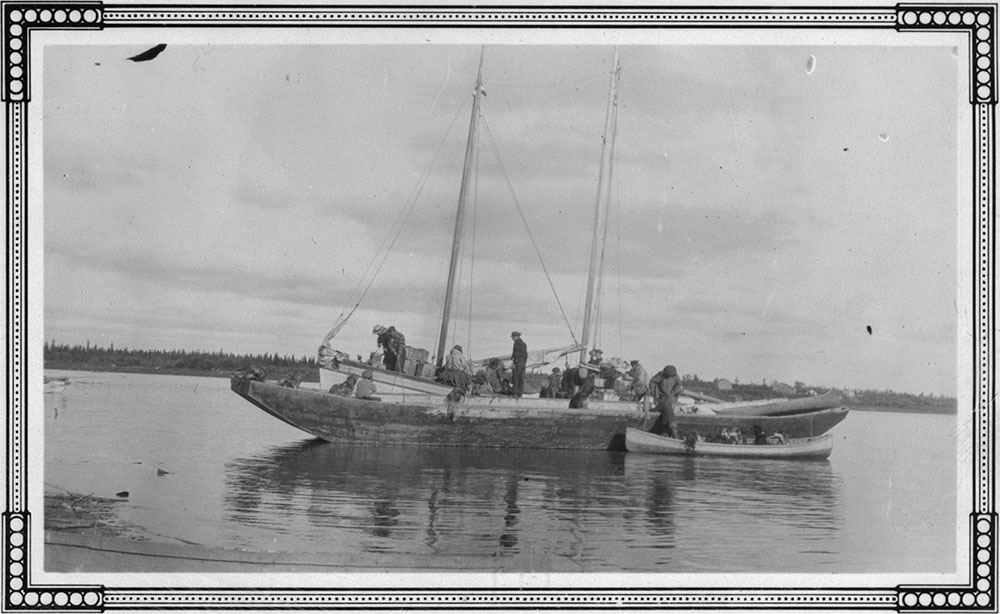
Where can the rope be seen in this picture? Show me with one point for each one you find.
(520, 213)
(607, 214)
(472, 259)
(398, 223)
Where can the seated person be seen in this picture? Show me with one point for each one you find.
(366, 387)
(759, 438)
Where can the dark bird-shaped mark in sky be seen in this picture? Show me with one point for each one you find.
(149, 54)
(869, 329)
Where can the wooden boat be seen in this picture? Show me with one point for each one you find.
(488, 422)
(808, 448)
(786, 406)
(492, 422)
(416, 410)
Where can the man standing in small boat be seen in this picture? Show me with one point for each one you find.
(519, 356)
(665, 388)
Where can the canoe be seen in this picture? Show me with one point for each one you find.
(808, 448)
(490, 422)
(783, 407)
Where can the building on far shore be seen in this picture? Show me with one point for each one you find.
(782, 388)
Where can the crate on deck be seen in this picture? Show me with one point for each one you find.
(410, 367)
(418, 368)
(416, 354)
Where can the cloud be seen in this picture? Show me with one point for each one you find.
(237, 195)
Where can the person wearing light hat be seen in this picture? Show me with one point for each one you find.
(519, 356)
(665, 387)
(366, 387)
(393, 345)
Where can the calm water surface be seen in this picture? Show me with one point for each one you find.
(237, 478)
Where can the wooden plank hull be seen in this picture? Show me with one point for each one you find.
(814, 448)
(513, 423)
(486, 422)
(785, 407)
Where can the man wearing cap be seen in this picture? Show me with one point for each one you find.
(519, 356)
(665, 387)
(393, 344)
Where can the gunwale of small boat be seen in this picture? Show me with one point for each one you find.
(820, 447)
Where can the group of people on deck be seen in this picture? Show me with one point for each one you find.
(575, 383)
(663, 389)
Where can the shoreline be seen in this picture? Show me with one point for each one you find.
(312, 377)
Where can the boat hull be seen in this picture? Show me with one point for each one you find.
(813, 448)
(479, 422)
(804, 424)
(784, 407)
(486, 422)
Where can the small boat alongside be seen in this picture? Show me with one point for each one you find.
(814, 448)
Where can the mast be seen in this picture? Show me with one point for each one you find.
(456, 244)
(603, 194)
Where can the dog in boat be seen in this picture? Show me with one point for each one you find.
(345, 388)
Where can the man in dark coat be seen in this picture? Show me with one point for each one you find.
(519, 356)
(665, 387)
(393, 345)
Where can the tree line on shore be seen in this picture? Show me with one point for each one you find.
(93, 358)
(221, 363)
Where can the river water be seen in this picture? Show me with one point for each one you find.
(204, 466)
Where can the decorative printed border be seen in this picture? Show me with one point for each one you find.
(977, 21)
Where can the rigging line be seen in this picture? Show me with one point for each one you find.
(527, 228)
(618, 255)
(472, 257)
(399, 222)
(461, 256)
(612, 153)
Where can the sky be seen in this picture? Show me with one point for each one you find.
(770, 203)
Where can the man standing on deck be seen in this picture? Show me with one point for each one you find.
(665, 387)
(393, 345)
(519, 356)
(639, 386)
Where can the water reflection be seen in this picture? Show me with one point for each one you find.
(580, 505)
(451, 499)
(797, 494)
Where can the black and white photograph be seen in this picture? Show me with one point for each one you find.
(500, 307)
